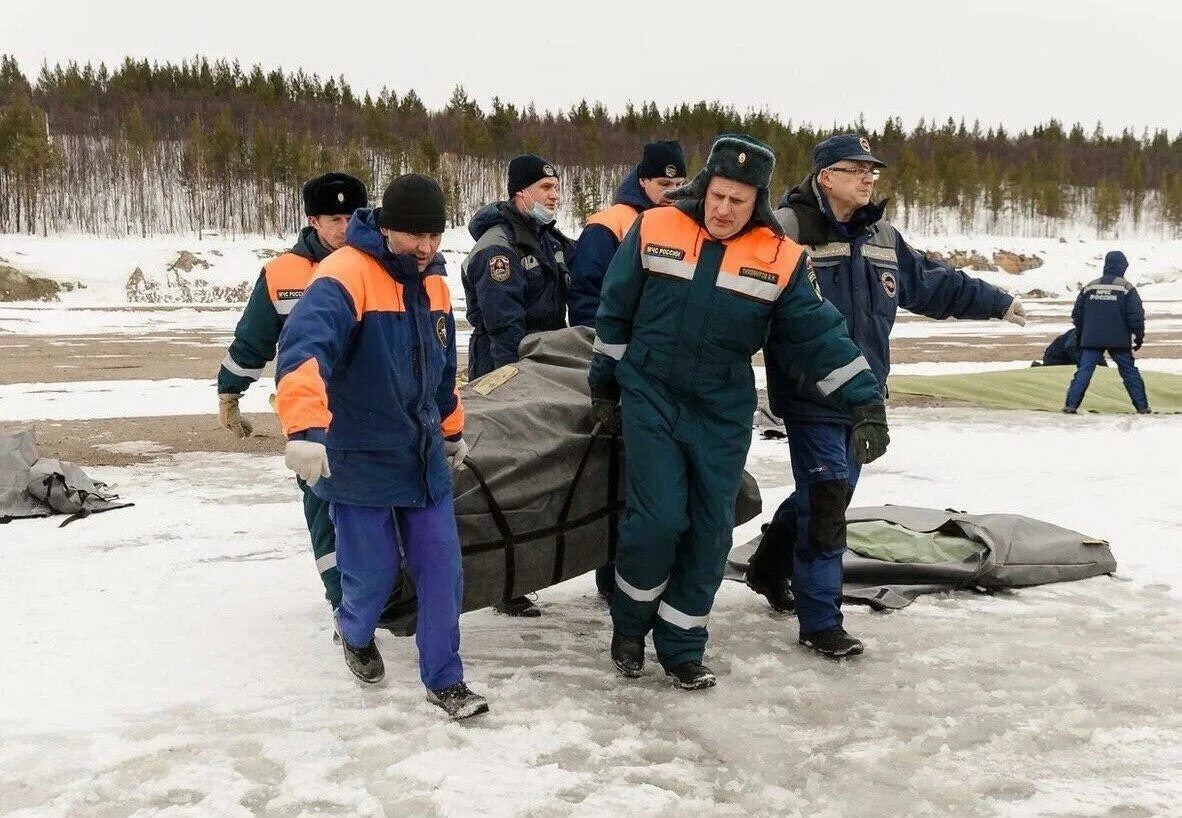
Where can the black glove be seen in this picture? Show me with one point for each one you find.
(606, 412)
(870, 432)
(1137, 341)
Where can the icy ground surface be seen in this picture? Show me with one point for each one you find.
(175, 658)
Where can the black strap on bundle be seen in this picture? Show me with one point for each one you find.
(509, 540)
(560, 539)
(502, 525)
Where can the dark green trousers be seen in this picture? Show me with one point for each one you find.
(324, 543)
(684, 465)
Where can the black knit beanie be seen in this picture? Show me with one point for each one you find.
(526, 169)
(413, 203)
(662, 159)
(334, 194)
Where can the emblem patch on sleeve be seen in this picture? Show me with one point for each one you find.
(812, 277)
(498, 268)
(889, 283)
(441, 330)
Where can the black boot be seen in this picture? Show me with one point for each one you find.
(458, 701)
(628, 654)
(778, 592)
(832, 642)
(519, 606)
(769, 570)
(692, 676)
(366, 663)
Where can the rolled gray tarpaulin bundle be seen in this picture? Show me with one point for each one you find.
(539, 498)
(894, 555)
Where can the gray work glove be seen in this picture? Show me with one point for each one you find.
(1016, 314)
(307, 459)
(230, 417)
(871, 437)
(455, 451)
(606, 412)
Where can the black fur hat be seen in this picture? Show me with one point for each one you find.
(334, 194)
(744, 159)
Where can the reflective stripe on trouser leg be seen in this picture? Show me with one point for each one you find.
(654, 516)
(714, 477)
(826, 472)
(367, 557)
(431, 545)
(324, 543)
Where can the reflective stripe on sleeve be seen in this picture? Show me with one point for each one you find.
(840, 377)
(234, 369)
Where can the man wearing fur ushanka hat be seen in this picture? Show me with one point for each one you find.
(694, 291)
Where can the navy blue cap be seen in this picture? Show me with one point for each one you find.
(852, 146)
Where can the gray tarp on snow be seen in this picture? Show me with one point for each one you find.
(996, 551)
(35, 486)
(529, 428)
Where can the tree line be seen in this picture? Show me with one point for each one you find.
(145, 148)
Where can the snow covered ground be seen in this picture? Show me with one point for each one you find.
(175, 658)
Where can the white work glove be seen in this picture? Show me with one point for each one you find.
(455, 451)
(231, 417)
(1016, 314)
(307, 459)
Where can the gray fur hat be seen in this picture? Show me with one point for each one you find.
(744, 159)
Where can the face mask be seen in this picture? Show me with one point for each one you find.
(542, 214)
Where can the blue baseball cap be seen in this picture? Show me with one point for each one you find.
(843, 146)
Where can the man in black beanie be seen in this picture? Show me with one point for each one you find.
(660, 170)
(375, 338)
(329, 201)
(515, 278)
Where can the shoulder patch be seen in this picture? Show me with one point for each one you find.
(812, 277)
(661, 251)
(759, 275)
(441, 330)
(889, 283)
(498, 268)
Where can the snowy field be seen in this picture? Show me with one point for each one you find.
(175, 658)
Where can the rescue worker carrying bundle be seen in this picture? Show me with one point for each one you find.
(694, 291)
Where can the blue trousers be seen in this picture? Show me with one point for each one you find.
(826, 473)
(1089, 359)
(368, 540)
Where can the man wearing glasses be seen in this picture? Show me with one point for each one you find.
(867, 270)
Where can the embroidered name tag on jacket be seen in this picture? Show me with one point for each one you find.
(759, 275)
(284, 295)
(663, 252)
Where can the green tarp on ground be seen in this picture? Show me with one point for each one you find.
(890, 542)
(1041, 388)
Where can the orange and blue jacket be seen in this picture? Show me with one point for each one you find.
(598, 242)
(279, 286)
(690, 311)
(367, 366)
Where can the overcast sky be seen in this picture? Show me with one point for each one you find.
(1018, 62)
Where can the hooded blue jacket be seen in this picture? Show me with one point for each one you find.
(367, 366)
(1108, 311)
(868, 284)
(515, 283)
(597, 244)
